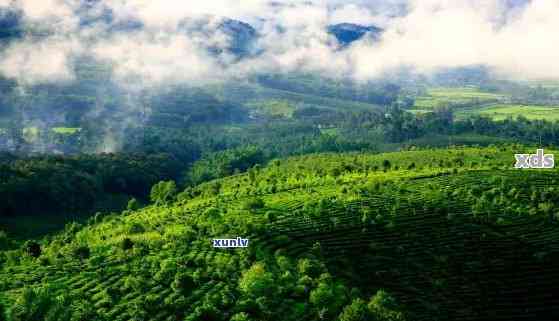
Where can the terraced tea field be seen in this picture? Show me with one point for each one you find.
(457, 236)
(455, 98)
(500, 112)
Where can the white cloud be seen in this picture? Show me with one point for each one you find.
(440, 33)
(154, 58)
(52, 14)
(32, 61)
(352, 13)
(432, 34)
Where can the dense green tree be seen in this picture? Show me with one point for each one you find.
(253, 204)
(242, 316)
(5, 241)
(126, 244)
(133, 204)
(81, 252)
(384, 307)
(356, 311)
(163, 192)
(256, 281)
(33, 304)
(183, 283)
(33, 249)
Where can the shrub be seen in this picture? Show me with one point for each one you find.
(384, 307)
(356, 311)
(126, 244)
(205, 312)
(33, 249)
(271, 216)
(163, 192)
(135, 228)
(182, 283)
(253, 204)
(133, 205)
(34, 304)
(4, 241)
(386, 164)
(44, 261)
(335, 172)
(242, 316)
(256, 281)
(309, 267)
(212, 214)
(81, 252)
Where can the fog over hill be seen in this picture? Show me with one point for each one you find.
(108, 63)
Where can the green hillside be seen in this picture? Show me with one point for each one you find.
(455, 97)
(467, 102)
(440, 234)
(500, 112)
(274, 100)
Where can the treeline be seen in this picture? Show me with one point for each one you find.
(58, 184)
(201, 153)
(330, 131)
(525, 94)
(371, 92)
(397, 125)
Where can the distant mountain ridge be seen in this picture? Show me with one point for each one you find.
(347, 33)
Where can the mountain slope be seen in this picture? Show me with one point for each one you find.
(447, 239)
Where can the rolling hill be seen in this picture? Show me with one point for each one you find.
(446, 234)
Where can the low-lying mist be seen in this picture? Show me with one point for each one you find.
(110, 55)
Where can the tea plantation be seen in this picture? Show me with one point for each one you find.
(438, 234)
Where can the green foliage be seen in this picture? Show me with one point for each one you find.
(384, 307)
(253, 204)
(271, 216)
(183, 283)
(256, 281)
(33, 249)
(310, 267)
(224, 163)
(205, 312)
(356, 311)
(73, 184)
(213, 214)
(133, 204)
(135, 228)
(163, 193)
(386, 164)
(126, 244)
(81, 252)
(390, 230)
(242, 316)
(39, 303)
(5, 241)
(328, 297)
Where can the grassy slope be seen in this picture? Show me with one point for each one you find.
(474, 102)
(500, 112)
(259, 97)
(403, 230)
(442, 96)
